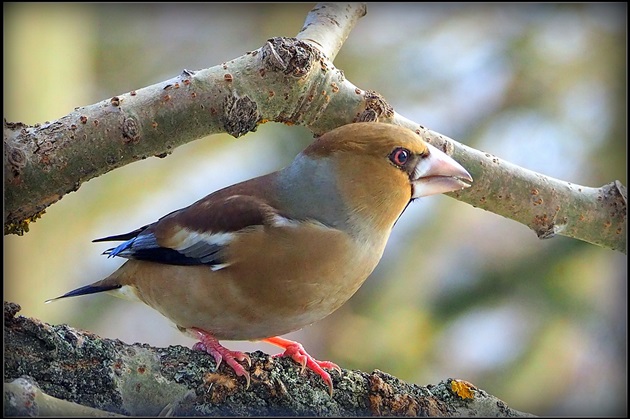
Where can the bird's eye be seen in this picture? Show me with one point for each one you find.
(400, 156)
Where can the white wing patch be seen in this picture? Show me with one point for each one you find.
(203, 246)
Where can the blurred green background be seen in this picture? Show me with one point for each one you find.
(460, 292)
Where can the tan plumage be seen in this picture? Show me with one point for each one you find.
(274, 254)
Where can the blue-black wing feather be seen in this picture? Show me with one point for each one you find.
(144, 246)
(231, 213)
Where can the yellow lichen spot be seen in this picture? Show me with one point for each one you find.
(463, 389)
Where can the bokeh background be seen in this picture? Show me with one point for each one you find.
(460, 292)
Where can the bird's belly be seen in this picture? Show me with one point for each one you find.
(265, 291)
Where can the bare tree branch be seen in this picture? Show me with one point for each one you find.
(292, 81)
(329, 24)
(546, 205)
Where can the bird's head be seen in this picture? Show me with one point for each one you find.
(369, 172)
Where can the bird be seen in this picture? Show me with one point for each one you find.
(274, 254)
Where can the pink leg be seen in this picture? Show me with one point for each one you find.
(211, 345)
(296, 351)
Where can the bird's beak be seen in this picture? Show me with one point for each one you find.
(438, 173)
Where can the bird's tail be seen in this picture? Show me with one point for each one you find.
(88, 289)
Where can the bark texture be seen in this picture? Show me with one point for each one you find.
(57, 370)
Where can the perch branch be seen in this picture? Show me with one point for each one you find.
(61, 371)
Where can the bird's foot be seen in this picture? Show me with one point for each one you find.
(211, 345)
(296, 351)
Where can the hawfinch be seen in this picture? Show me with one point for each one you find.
(273, 254)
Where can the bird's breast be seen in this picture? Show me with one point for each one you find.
(277, 280)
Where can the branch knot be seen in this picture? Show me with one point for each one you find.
(289, 55)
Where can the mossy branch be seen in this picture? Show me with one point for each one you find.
(61, 371)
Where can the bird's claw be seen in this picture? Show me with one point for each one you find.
(211, 345)
(296, 351)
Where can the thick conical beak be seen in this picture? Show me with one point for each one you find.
(438, 173)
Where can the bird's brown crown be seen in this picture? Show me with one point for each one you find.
(372, 138)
